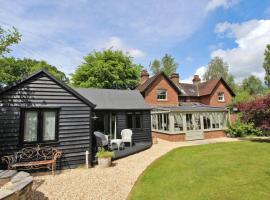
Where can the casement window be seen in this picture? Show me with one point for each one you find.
(39, 125)
(134, 120)
(221, 97)
(161, 94)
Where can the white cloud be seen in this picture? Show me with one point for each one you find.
(251, 38)
(200, 71)
(214, 4)
(118, 44)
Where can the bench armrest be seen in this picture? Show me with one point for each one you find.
(9, 160)
(57, 155)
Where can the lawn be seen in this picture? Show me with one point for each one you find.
(231, 171)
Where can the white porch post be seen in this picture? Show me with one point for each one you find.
(171, 123)
(184, 122)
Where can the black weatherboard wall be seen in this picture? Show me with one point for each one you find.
(43, 91)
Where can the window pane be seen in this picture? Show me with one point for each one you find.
(49, 122)
(189, 122)
(161, 94)
(30, 126)
(138, 121)
(206, 122)
(129, 121)
(159, 121)
(197, 121)
(178, 122)
(165, 122)
(215, 120)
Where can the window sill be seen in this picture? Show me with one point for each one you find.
(162, 100)
(30, 144)
(221, 101)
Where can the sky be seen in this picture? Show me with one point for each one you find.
(192, 31)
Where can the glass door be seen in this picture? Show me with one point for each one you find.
(112, 120)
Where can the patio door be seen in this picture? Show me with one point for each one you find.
(113, 124)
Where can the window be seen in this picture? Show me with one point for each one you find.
(221, 96)
(178, 122)
(189, 122)
(162, 94)
(206, 122)
(39, 125)
(215, 120)
(134, 120)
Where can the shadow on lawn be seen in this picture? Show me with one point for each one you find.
(258, 139)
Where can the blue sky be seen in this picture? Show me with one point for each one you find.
(192, 31)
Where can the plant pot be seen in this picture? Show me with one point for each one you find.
(105, 162)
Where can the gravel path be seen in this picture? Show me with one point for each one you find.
(109, 183)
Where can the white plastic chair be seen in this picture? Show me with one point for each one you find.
(126, 135)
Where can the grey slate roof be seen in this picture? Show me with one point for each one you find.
(192, 107)
(113, 99)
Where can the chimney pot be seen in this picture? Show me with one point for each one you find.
(196, 79)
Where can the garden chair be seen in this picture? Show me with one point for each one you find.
(102, 140)
(126, 135)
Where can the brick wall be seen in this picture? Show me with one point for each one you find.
(169, 137)
(181, 137)
(214, 134)
(151, 93)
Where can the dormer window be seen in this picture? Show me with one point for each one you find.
(221, 97)
(162, 94)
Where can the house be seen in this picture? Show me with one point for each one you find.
(43, 110)
(186, 111)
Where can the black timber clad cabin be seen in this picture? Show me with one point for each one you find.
(71, 116)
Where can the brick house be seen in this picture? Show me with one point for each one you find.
(184, 111)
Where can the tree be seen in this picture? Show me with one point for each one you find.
(8, 38)
(217, 68)
(252, 85)
(12, 70)
(266, 65)
(167, 65)
(107, 69)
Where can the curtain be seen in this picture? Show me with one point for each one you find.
(49, 120)
(30, 126)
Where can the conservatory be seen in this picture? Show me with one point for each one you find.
(196, 121)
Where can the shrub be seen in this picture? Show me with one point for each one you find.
(257, 112)
(239, 129)
(102, 153)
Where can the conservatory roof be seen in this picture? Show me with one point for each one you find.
(191, 107)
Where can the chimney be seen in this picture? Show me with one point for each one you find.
(175, 78)
(144, 76)
(196, 79)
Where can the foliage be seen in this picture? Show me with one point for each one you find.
(167, 65)
(217, 68)
(107, 69)
(12, 70)
(266, 65)
(239, 129)
(8, 38)
(257, 111)
(252, 85)
(102, 153)
(233, 170)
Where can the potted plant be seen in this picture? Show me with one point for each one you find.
(104, 157)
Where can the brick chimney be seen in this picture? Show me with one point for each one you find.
(196, 79)
(144, 76)
(175, 78)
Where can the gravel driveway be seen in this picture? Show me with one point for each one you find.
(109, 183)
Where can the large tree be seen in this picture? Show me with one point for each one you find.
(12, 70)
(252, 85)
(217, 68)
(8, 38)
(107, 69)
(266, 65)
(167, 65)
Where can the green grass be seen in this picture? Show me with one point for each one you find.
(231, 171)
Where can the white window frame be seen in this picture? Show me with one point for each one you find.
(221, 97)
(166, 97)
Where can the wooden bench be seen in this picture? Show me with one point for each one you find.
(33, 158)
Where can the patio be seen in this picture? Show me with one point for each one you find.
(110, 183)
